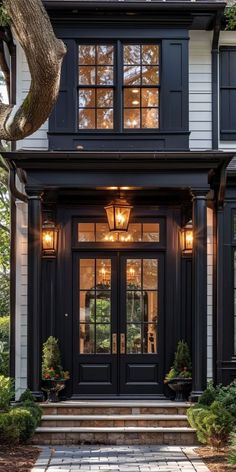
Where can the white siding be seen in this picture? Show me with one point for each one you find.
(209, 294)
(38, 140)
(21, 298)
(200, 90)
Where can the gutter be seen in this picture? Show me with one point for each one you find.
(215, 79)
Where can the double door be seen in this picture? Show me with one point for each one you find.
(118, 323)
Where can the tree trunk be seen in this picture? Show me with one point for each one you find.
(31, 26)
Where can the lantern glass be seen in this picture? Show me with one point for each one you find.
(49, 238)
(118, 215)
(189, 240)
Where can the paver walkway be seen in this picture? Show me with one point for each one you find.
(119, 459)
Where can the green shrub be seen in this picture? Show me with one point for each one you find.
(24, 421)
(227, 396)
(4, 345)
(34, 409)
(27, 395)
(213, 424)
(6, 392)
(232, 449)
(9, 431)
(208, 396)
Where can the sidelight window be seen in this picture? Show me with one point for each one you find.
(118, 86)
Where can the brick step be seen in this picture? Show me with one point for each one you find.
(114, 420)
(115, 407)
(115, 435)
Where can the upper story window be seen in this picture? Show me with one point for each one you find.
(228, 93)
(118, 86)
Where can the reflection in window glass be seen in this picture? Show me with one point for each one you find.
(141, 86)
(96, 80)
(137, 232)
(141, 305)
(234, 227)
(95, 305)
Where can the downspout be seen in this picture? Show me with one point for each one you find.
(215, 78)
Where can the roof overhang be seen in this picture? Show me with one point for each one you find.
(151, 170)
(199, 14)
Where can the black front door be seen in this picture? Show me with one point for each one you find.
(118, 323)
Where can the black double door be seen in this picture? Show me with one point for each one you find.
(118, 323)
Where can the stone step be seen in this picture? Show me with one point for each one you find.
(114, 420)
(115, 435)
(115, 407)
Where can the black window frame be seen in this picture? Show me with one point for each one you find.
(227, 130)
(118, 87)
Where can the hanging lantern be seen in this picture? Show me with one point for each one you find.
(188, 237)
(118, 215)
(49, 238)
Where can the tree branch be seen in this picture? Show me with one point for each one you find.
(44, 53)
(4, 228)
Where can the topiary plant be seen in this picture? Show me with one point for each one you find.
(182, 366)
(52, 370)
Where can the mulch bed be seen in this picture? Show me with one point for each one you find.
(18, 458)
(216, 461)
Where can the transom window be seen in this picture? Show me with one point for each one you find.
(137, 232)
(118, 91)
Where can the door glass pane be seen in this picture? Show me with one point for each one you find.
(149, 339)
(150, 306)
(103, 307)
(134, 306)
(87, 274)
(87, 339)
(103, 274)
(87, 306)
(95, 306)
(141, 305)
(103, 339)
(133, 339)
(150, 274)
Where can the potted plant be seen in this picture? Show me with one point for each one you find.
(53, 375)
(179, 377)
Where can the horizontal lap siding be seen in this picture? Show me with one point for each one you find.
(21, 298)
(38, 140)
(200, 122)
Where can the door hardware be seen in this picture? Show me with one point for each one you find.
(114, 343)
(122, 343)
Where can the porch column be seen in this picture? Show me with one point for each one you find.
(34, 292)
(199, 360)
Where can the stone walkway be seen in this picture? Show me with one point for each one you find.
(119, 459)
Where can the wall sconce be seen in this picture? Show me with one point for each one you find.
(188, 237)
(49, 238)
(118, 215)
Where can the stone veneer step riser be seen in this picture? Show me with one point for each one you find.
(114, 423)
(183, 439)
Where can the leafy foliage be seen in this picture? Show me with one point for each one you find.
(182, 366)
(6, 392)
(18, 423)
(4, 241)
(208, 396)
(232, 449)
(4, 18)
(230, 15)
(4, 345)
(213, 424)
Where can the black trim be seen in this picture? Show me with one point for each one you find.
(227, 93)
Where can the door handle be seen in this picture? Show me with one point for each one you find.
(122, 343)
(114, 343)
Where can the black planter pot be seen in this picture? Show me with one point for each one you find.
(53, 387)
(181, 387)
